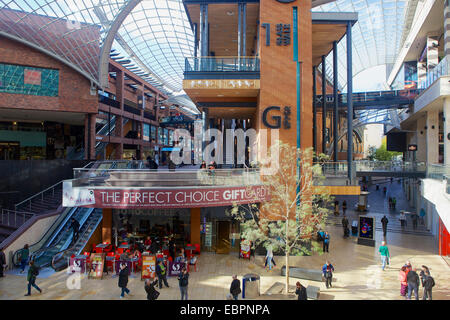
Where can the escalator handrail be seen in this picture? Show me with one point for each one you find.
(44, 239)
(69, 239)
(57, 257)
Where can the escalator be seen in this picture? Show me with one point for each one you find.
(105, 130)
(61, 241)
(56, 245)
(60, 259)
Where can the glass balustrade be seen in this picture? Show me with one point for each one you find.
(222, 64)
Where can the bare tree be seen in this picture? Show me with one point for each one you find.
(297, 208)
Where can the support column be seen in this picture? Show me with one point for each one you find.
(421, 139)
(89, 136)
(447, 30)
(447, 130)
(314, 109)
(204, 30)
(432, 134)
(349, 102)
(107, 225)
(195, 225)
(324, 107)
(336, 102)
(432, 52)
(244, 29)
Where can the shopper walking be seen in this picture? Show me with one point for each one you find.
(428, 285)
(402, 219)
(413, 284)
(183, 281)
(24, 254)
(403, 281)
(300, 291)
(336, 208)
(345, 226)
(269, 259)
(123, 279)
(384, 252)
(327, 271)
(344, 207)
(384, 223)
(152, 293)
(390, 202)
(75, 225)
(326, 242)
(33, 272)
(423, 273)
(235, 288)
(394, 202)
(414, 219)
(161, 273)
(2, 262)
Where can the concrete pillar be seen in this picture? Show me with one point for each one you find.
(432, 134)
(421, 141)
(89, 136)
(107, 225)
(432, 52)
(446, 108)
(421, 73)
(195, 225)
(447, 29)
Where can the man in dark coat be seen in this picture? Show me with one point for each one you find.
(152, 293)
(235, 287)
(301, 292)
(413, 284)
(33, 272)
(161, 272)
(75, 225)
(2, 262)
(123, 279)
(345, 226)
(384, 223)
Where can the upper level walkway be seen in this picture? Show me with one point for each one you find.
(392, 99)
(376, 169)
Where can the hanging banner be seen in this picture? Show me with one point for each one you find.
(162, 198)
(175, 268)
(97, 265)
(148, 267)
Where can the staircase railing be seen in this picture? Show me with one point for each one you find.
(40, 194)
(9, 217)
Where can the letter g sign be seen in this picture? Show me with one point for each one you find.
(277, 119)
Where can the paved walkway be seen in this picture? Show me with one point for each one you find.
(379, 206)
(358, 274)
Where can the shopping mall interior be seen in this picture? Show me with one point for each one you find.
(134, 132)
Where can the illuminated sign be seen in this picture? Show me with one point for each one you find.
(366, 225)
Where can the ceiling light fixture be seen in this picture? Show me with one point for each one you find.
(230, 13)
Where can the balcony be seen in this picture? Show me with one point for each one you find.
(221, 68)
(442, 69)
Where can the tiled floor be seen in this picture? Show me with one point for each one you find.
(358, 274)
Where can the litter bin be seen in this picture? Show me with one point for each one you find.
(250, 286)
(355, 228)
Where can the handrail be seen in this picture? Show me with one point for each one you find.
(8, 213)
(37, 194)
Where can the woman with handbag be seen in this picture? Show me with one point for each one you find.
(403, 281)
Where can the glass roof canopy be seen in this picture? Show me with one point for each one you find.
(154, 36)
(376, 37)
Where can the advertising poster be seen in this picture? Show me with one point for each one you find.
(97, 264)
(366, 225)
(245, 250)
(175, 268)
(148, 267)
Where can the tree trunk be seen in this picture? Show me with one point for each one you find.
(287, 272)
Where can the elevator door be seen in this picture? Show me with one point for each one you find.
(223, 237)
